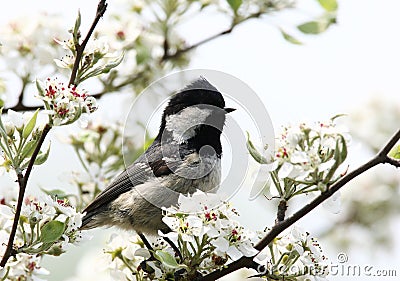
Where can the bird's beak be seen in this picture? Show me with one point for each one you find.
(229, 110)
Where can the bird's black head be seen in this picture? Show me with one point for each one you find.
(195, 115)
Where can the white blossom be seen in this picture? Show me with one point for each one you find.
(65, 104)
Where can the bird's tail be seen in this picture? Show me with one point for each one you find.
(91, 220)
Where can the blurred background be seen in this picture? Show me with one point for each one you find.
(351, 68)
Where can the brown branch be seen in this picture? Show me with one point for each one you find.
(21, 107)
(282, 207)
(206, 40)
(101, 9)
(191, 47)
(248, 262)
(130, 80)
(22, 181)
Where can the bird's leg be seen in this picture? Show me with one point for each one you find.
(173, 246)
(143, 264)
(146, 243)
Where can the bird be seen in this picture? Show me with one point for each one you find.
(185, 156)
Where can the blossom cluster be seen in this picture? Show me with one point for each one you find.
(204, 229)
(205, 215)
(20, 134)
(64, 104)
(208, 236)
(28, 44)
(294, 255)
(47, 226)
(306, 157)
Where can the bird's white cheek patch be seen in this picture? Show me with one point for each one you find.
(183, 124)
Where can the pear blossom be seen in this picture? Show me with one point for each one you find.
(28, 43)
(23, 267)
(216, 222)
(306, 159)
(294, 254)
(16, 120)
(122, 249)
(35, 214)
(65, 104)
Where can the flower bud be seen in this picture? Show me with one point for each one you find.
(322, 186)
(55, 250)
(10, 128)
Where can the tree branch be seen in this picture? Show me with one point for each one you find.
(22, 181)
(191, 47)
(20, 107)
(282, 207)
(101, 9)
(248, 262)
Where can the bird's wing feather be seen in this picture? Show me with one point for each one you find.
(132, 176)
(151, 164)
(143, 169)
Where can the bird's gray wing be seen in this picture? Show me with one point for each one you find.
(139, 172)
(151, 164)
(134, 175)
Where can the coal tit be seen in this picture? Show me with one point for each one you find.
(185, 156)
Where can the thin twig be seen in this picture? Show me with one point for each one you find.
(248, 262)
(101, 9)
(22, 181)
(282, 207)
(191, 47)
(130, 80)
(9, 250)
(206, 40)
(21, 107)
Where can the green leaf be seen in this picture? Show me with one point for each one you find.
(235, 4)
(77, 25)
(343, 154)
(42, 93)
(290, 38)
(339, 156)
(28, 149)
(42, 157)
(2, 129)
(28, 128)
(55, 250)
(254, 152)
(314, 27)
(395, 152)
(167, 259)
(337, 116)
(40, 88)
(329, 5)
(51, 231)
(103, 69)
(60, 194)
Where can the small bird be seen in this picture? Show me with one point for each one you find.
(185, 156)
